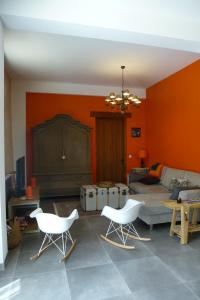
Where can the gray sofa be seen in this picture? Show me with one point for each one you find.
(153, 212)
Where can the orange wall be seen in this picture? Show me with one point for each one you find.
(43, 106)
(173, 119)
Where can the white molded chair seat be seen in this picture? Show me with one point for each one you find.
(122, 223)
(51, 225)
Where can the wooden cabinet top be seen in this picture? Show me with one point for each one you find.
(25, 201)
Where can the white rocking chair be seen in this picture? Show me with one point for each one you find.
(52, 224)
(122, 223)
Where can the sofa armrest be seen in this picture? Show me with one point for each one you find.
(189, 194)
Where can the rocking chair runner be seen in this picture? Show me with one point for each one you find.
(52, 225)
(122, 223)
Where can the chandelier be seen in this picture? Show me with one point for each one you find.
(124, 99)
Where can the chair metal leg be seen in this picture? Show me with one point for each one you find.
(118, 229)
(132, 233)
(51, 241)
(43, 247)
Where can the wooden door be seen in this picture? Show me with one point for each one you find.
(110, 149)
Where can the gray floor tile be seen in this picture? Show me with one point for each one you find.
(148, 273)
(163, 244)
(96, 283)
(30, 243)
(194, 286)
(194, 241)
(11, 262)
(85, 236)
(87, 254)
(99, 224)
(185, 265)
(5, 281)
(80, 225)
(170, 293)
(9, 288)
(124, 297)
(45, 286)
(118, 254)
(47, 262)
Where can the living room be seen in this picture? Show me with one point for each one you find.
(166, 80)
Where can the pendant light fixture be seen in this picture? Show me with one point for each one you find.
(123, 100)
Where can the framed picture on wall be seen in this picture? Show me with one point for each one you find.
(135, 132)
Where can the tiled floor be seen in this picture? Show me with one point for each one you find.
(155, 270)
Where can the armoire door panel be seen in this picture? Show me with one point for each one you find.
(47, 155)
(76, 148)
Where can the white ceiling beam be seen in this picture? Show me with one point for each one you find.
(55, 27)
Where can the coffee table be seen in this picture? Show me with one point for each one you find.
(185, 227)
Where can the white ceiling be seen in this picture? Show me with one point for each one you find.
(87, 41)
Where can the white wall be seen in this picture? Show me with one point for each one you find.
(3, 233)
(8, 125)
(18, 96)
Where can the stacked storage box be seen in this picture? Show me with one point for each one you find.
(95, 198)
(113, 197)
(88, 197)
(123, 192)
(102, 197)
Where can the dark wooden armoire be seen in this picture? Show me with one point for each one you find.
(61, 156)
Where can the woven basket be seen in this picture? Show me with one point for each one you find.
(14, 236)
(105, 184)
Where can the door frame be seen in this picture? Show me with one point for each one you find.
(112, 115)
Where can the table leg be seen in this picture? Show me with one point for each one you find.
(194, 216)
(173, 222)
(10, 212)
(184, 225)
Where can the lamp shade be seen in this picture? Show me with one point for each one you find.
(142, 153)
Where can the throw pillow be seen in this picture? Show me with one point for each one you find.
(150, 180)
(157, 172)
(154, 166)
(177, 190)
(183, 182)
(173, 184)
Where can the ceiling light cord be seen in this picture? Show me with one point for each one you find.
(122, 67)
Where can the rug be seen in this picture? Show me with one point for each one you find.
(64, 208)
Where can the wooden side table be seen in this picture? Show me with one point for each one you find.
(23, 202)
(184, 209)
(136, 174)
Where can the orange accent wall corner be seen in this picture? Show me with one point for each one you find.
(173, 119)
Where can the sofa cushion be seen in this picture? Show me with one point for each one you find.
(177, 190)
(141, 188)
(149, 180)
(193, 177)
(168, 174)
(152, 203)
(189, 194)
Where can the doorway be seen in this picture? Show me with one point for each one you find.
(110, 147)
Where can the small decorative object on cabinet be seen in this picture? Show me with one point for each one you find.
(61, 156)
